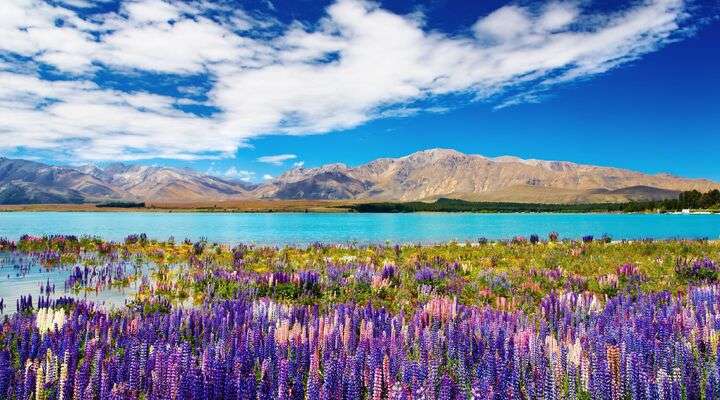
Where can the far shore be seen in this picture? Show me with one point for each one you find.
(265, 206)
(234, 206)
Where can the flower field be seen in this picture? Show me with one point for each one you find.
(517, 319)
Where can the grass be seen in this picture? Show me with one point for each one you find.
(517, 273)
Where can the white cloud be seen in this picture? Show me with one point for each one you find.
(84, 3)
(506, 23)
(278, 159)
(234, 174)
(267, 177)
(151, 11)
(298, 164)
(557, 16)
(360, 62)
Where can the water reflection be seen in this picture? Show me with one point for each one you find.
(109, 285)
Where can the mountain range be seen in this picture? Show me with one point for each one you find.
(424, 175)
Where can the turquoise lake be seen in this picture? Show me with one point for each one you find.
(305, 228)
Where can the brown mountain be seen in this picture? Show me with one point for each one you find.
(25, 182)
(151, 183)
(30, 182)
(435, 173)
(425, 175)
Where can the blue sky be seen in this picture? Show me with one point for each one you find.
(249, 89)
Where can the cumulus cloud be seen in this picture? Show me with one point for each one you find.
(235, 174)
(359, 62)
(278, 159)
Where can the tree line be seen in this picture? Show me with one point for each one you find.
(121, 204)
(685, 200)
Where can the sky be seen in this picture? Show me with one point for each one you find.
(248, 89)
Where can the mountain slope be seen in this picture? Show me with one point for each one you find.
(167, 184)
(438, 173)
(425, 175)
(330, 182)
(27, 182)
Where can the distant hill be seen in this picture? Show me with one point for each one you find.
(29, 182)
(421, 176)
(436, 173)
(167, 184)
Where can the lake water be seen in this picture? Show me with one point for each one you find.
(304, 228)
(16, 281)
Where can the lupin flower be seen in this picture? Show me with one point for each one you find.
(575, 346)
(50, 319)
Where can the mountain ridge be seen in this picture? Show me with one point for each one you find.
(421, 176)
(434, 173)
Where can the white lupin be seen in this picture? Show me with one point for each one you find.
(40, 384)
(47, 319)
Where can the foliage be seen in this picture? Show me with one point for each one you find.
(686, 200)
(121, 204)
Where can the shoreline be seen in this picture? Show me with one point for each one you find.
(285, 206)
(230, 207)
(332, 208)
(369, 206)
